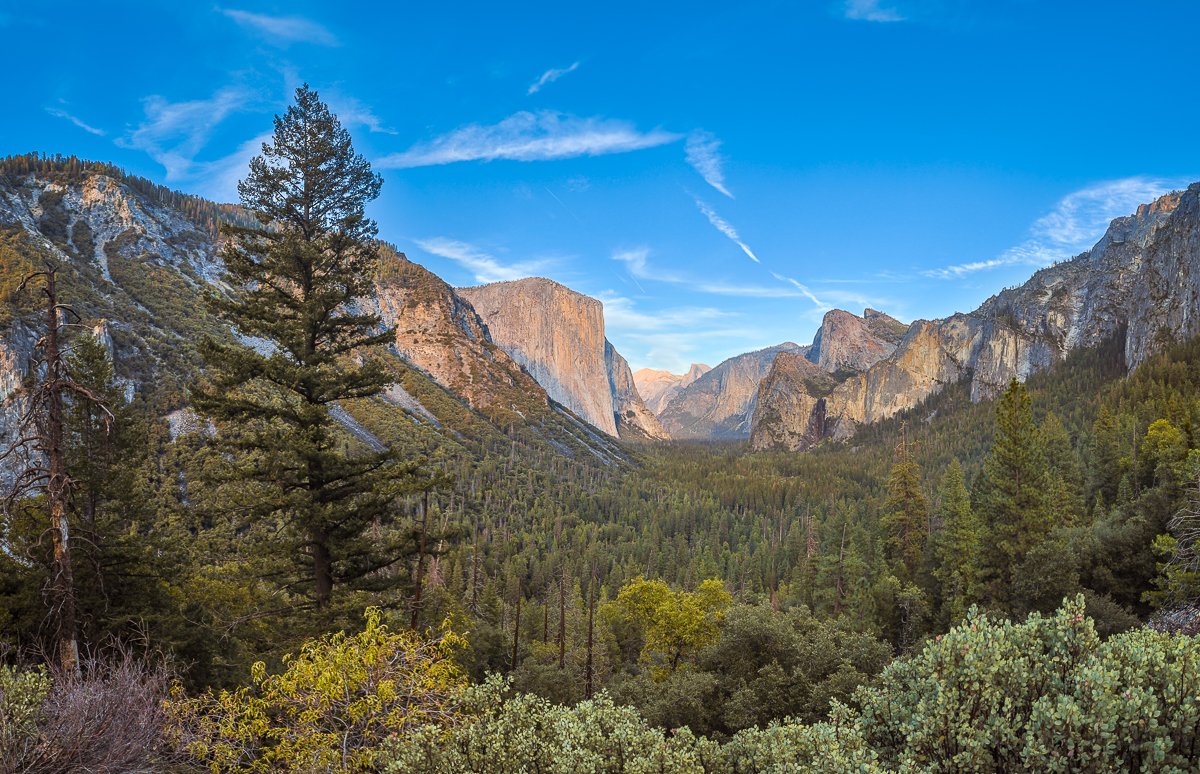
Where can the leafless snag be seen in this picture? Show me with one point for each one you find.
(41, 457)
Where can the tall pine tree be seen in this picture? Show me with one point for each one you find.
(1012, 492)
(957, 547)
(294, 283)
(906, 517)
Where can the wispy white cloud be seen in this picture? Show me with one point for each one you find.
(482, 265)
(870, 10)
(60, 113)
(550, 76)
(173, 133)
(637, 262)
(1074, 225)
(526, 136)
(217, 180)
(283, 29)
(669, 338)
(802, 288)
(702, 151)
(726, 228)
(353, 112)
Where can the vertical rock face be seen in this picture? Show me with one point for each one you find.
(657, 388)
(790, 404)
(557, 335)
(633, 419)
(1142, 278)
(847, 342)
(440, 333)
(720, 403)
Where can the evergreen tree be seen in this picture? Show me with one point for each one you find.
(295, 281)
(906, 517)
(1065, 493)
(957, 546)
(1013, 488)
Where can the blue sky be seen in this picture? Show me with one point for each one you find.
(719, 174)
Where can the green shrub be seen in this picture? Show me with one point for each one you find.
(22, 694)
(1042, 695)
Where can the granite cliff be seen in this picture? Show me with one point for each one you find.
(719, 405)
(1141, 281)
(134, 260)
(557, 335)
(657, 388)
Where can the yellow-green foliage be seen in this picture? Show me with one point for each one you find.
(674, 623)
(22, 694)
(331, 708)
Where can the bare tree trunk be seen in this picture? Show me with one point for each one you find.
(58, 491)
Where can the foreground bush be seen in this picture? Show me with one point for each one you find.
(330, 710)
(110, 719)
(1043, 695)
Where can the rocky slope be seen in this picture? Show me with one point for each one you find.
(439, 332)
(847, 342)
(657, 388)
(139, 257)
(788, 406)
(719, 405)
(557, 335)
(1140, 281)
(633, 419)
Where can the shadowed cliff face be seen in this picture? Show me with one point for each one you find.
(557, 335)
(633, 419)
(720, 403)
(1142, 277)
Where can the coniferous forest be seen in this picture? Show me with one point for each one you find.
(256, 565)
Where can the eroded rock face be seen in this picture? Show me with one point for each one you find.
(847, 342)
(633, 419)
(1142, 278)
(557, 335)
(790, 404)
(720, 403)
(440, 333)
(657, 387)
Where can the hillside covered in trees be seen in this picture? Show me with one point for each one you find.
(279, 569)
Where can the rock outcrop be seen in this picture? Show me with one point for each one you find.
(846, 342)
(657, 387)
(719, 405)
(135, 260)
(789, 405)
(557, 335)
(1140, 281)
(440, 333)
(633, 419)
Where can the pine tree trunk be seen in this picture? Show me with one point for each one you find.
(58, 490)
(322, 568)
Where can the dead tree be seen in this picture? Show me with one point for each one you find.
(39, 455)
